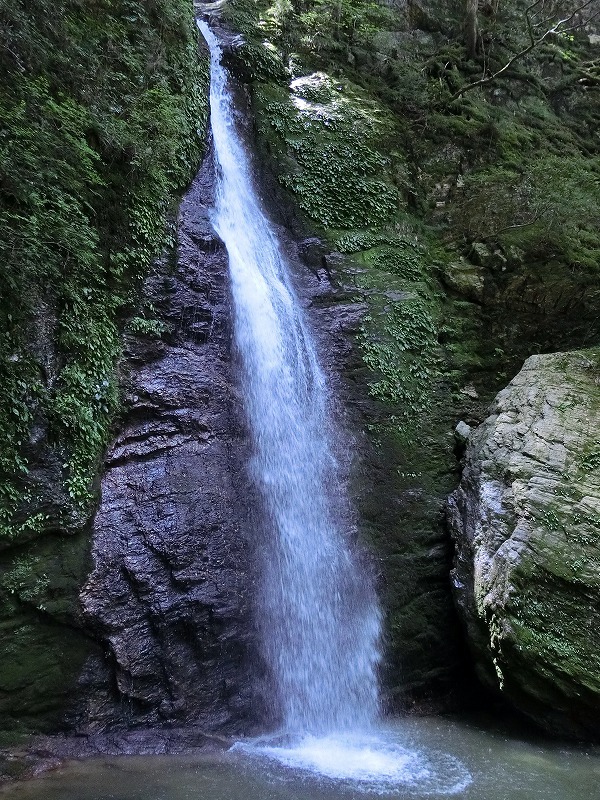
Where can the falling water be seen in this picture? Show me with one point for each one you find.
(321, 621)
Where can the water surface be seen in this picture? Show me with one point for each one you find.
(499, 766)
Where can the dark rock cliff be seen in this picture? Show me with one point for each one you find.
(168, 595)
(102, 117)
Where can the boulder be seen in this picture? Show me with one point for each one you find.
(526, 525)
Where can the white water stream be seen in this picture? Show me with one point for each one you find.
(319, 613)
(322, 627)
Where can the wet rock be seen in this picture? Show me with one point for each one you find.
(470, 391)
(465, 279)
(168, 595)
(312, 251)
(525, 521)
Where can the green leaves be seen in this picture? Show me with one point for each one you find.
(399, 334)
(102, 114)
(549, 205)
(334, 140)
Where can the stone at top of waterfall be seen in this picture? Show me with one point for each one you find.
(462, 432)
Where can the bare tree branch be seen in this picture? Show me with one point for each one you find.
(534, 41)
(530, 29)
(516, 226)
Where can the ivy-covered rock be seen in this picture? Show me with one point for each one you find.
(102, 116)
(102, 111)
(526, 524)
(463, 225)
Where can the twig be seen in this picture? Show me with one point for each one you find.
(556, 28)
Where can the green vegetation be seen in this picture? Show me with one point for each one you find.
(102, 109)
(338, 176)
(335, 149)
(515, 159)
(102, 113)
(469, 229)
(510, 168)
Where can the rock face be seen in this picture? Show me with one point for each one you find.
(170, 596)
(526, 523)
(168, 593)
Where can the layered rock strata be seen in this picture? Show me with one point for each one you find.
(526, 524)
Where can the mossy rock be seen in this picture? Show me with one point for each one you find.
(42, 645)
(525, 521)
(470, 235)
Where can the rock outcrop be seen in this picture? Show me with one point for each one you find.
(104, 112)
(168, 593)
(526, 524)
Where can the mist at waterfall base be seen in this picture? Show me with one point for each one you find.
(320, 619)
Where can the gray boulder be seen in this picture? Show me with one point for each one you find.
(526, 526)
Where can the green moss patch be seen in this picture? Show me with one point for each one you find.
(103, 112)
(103, 108)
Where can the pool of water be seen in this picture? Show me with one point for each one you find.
(418, 757)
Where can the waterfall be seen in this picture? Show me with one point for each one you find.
(319, 617)
(320, 621)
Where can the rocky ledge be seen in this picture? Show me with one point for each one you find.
(526, 524)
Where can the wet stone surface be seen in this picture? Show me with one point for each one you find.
(168, 592)
(525, 519)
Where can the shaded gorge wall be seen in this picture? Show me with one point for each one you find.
(419, 203)
(103, 111)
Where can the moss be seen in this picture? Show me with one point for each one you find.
(42, 651)
(547, 631)
(332, 155)
(103, 114)
(468, 251)
(103, 110)
(34, 656)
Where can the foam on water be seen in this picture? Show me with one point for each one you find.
(374, 764)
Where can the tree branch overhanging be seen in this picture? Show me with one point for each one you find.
(560, 26)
